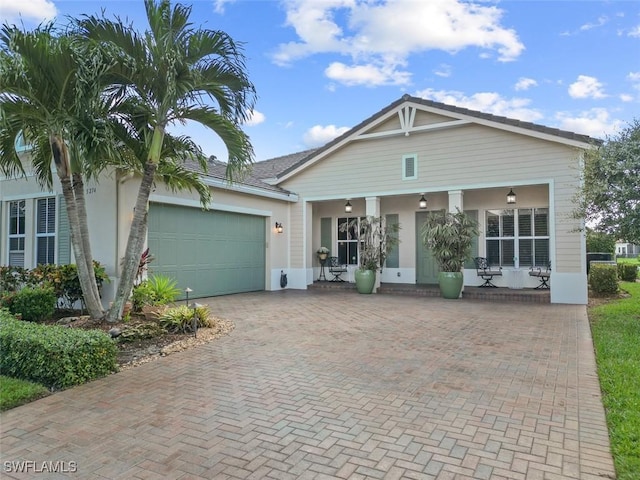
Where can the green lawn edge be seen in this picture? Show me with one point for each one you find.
(615, 328)
(15, 392)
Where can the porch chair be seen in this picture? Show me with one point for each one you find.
(336, 269)
(542, 273)
(486, 272)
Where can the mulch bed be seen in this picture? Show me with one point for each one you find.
(142, 350)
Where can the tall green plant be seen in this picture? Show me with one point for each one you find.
(51, 94)
(375, 238)
(449, 236)
(174, 73)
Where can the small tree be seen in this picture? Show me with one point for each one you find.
(449, 236)
(376, 240)
(610, 197)
(600, 242)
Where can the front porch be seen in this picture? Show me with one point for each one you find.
(524, 295)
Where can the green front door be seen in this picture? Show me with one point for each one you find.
(426, 267)
(211, 252)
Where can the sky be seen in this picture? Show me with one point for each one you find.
(321, 67)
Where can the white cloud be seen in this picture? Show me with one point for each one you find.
(319, 135)
(487, 102)
(635, 31)
(219, 5)
(369, 75)
(625, 97)
(385, 33)
(595, 122)
(34, 10)
(586, 87)
(634, 77)
(602, 20)
(443, 70)
(525, 83)
(255, 118)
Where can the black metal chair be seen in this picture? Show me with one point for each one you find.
(486, 272)
(543, 274)
(336, 269)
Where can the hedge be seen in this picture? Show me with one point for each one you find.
(53, 355)
(627, 272)
(603, 278)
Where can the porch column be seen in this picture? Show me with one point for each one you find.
(455, 200)
(373, 206)
(373, 209)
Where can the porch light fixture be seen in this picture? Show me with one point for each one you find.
(423, 202)
(511, 197)
(279, 227)
(348, 208)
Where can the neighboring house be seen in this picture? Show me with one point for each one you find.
(628, 250)
(456, 158)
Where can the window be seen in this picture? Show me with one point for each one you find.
(409, 167)
(518, 237)
(46, 231)
(16, 233)
(347, 242)
(21, 145)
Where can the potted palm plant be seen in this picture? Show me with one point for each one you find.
(375, 242)
(449, 236)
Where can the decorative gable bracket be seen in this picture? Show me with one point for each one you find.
(407, 117)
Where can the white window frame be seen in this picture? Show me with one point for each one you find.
(46, 234)
(516, 235)
(405, 158)
(21, 205)
(348, 240)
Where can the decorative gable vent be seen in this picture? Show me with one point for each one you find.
(410, 167)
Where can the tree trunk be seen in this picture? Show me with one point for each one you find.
(92, 295)
(135, 243)
(86, 278)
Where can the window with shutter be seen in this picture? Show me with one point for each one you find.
(410, 167)
(16, 233)
(46, 231)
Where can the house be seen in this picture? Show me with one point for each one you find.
(627, 250)
(410, 150)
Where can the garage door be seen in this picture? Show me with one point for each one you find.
(213, 253)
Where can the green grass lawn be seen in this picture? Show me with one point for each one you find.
(14, 392)
(616, 335)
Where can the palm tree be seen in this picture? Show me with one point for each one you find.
(174, 73)
(50, 93)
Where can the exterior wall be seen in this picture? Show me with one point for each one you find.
(101, 214)
(482, 162)
(277, 256)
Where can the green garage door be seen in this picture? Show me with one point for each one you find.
(213, 253)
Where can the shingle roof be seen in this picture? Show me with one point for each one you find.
(441, 106)
(217, 169)
(277, 167)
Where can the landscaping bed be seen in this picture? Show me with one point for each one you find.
(149, 343)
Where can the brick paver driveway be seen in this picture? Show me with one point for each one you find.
(340, 385)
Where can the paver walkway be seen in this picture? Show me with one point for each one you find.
(339, 385)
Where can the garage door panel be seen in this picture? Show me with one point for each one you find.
(211, 252)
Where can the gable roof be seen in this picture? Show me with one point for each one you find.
(496, 121)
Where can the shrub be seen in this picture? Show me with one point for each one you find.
(33, 304)
(180, 319)
(627, 272)
(62, 278)
(157, 290)
(603, 278)
(55, 356)
(12, 278)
